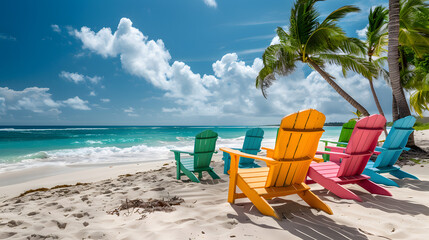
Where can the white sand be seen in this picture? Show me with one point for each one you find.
(79, 212)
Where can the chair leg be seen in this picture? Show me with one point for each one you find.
(226, 166)
(200, 175)
(378, 178)
(189, 174)
(332, 186)
(401, 174)
(311, 199)
(213, 174)
(260, 203)
(373, 188)
(177, 171)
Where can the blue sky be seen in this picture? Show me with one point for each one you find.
(161, 62)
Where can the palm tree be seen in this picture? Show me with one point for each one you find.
(414, 26)
(314, 43)
(376, 40)
(357, 114)
(393, 59)
(415, 79)
(413, 52)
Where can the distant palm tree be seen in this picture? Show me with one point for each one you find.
(358, 114)
(316, 44)
(376, 40)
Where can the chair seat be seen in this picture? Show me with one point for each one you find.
(256, 178)
(330, 170)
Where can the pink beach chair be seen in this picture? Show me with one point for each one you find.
(353, 159)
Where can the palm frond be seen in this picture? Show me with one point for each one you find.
(338, 14)
(349, 62)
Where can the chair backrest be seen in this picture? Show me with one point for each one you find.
(361, 145)
(395, 141)
(205, 143)
(296, 145)
(346, 132)
(252, 143)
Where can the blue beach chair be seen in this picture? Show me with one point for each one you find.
(390, 152)
(251, 145)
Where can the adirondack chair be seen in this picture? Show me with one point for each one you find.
(251, 145)
(390, 152)
(345, 134)
(205, 143)
(286, 170)
(353, 160)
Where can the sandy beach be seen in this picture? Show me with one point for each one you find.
(87, 210)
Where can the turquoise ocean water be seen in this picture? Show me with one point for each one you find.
(26, 147)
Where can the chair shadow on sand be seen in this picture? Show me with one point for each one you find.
(383, 203)
(206, 181)
(418, 185)
(299, 220)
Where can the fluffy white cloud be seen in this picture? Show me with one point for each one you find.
(362, 32)
(33, 99)
(105, 100)
(230, 92)
(77, 103)
(56, 28)
(74, 77)
(92, 93)
(79, 78)
(37, 100)
(211, 3)
(140, 57)
(148, 59)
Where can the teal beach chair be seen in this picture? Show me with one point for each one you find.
(390, 152)
(205, 143)
(251, 145)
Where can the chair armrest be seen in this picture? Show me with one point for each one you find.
(318, 160)
(246, 155)
(333, 153)
(336, 149)
(179, 151)
(270, 151)
(327, 141)
(407, 148)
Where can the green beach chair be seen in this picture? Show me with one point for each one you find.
(205, 143)
(343, 139)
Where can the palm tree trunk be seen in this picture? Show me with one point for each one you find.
(393, 59)
(337, 88)
(377, 102)
(395, 113)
